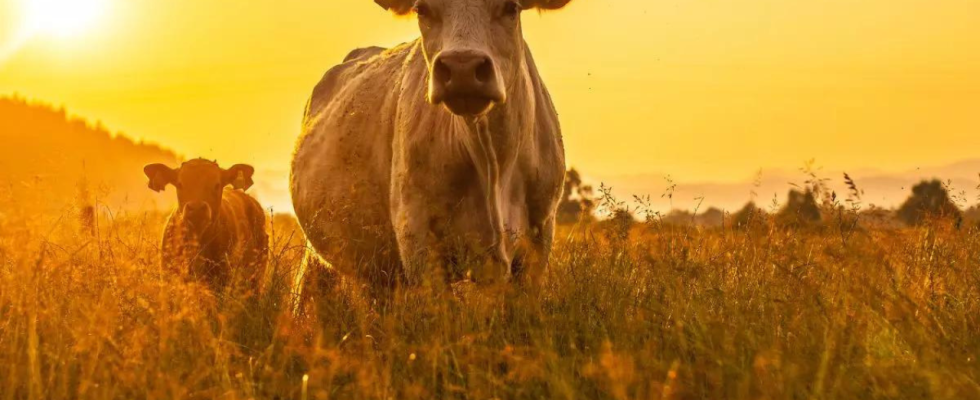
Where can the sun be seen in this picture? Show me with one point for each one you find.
(62, 18)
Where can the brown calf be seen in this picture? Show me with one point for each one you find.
(214, 232)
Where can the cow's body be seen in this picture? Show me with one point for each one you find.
(387, 185)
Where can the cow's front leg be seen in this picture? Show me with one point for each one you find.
(533, 251)
(420, 246)
(438, 242)
(490, 263)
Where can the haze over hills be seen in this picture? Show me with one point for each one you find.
(47, 154)
(882, 189)
(48, 158)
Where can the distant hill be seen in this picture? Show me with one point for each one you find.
(48, 158)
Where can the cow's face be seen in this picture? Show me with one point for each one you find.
(473, 48)
(199, 184)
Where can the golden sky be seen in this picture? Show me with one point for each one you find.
(706, 90)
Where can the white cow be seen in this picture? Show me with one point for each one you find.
(437, 158)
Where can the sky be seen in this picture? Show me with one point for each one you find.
(703, 90)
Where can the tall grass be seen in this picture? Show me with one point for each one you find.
(650, 311)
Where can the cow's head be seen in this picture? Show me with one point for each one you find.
(473, 48)
(199, 184)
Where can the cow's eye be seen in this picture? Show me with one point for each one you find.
(423, 10)
(512, 9)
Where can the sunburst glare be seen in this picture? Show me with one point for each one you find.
(62, 18)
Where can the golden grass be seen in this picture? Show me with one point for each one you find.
(657, 312)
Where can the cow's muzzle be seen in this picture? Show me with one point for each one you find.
(467, 82)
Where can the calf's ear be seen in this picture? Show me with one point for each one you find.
(545, 4)
(399, 7)
(160, 176)
(239, 176)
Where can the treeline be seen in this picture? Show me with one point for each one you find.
(48, 156)
(812, 205)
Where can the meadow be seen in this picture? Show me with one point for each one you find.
(627, 311)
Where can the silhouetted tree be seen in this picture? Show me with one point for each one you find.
(747, 216)
(620, 223)
(929, 199)
(801, 209)
(577, 200)
(712, 217)
(679, 218)
(972, 215)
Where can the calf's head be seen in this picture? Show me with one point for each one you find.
(200, 184)
(472, 48)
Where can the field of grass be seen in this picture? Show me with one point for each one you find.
(647, 312)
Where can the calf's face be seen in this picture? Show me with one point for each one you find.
(473, 48)
(200, 185)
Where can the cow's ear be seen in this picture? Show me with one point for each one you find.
(239, 176)
(400, 7)
(160, 176)
(545, 4)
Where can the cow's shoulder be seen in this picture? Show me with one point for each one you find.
(546, 124)
(364, 70)
(241, 208)
(363, 53)
(243, 200)
(336, 77)
(548, 161)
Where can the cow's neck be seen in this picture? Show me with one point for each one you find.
(502, 133)
(494, 142)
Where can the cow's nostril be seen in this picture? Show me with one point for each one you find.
(484, 72)
(441, 73)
